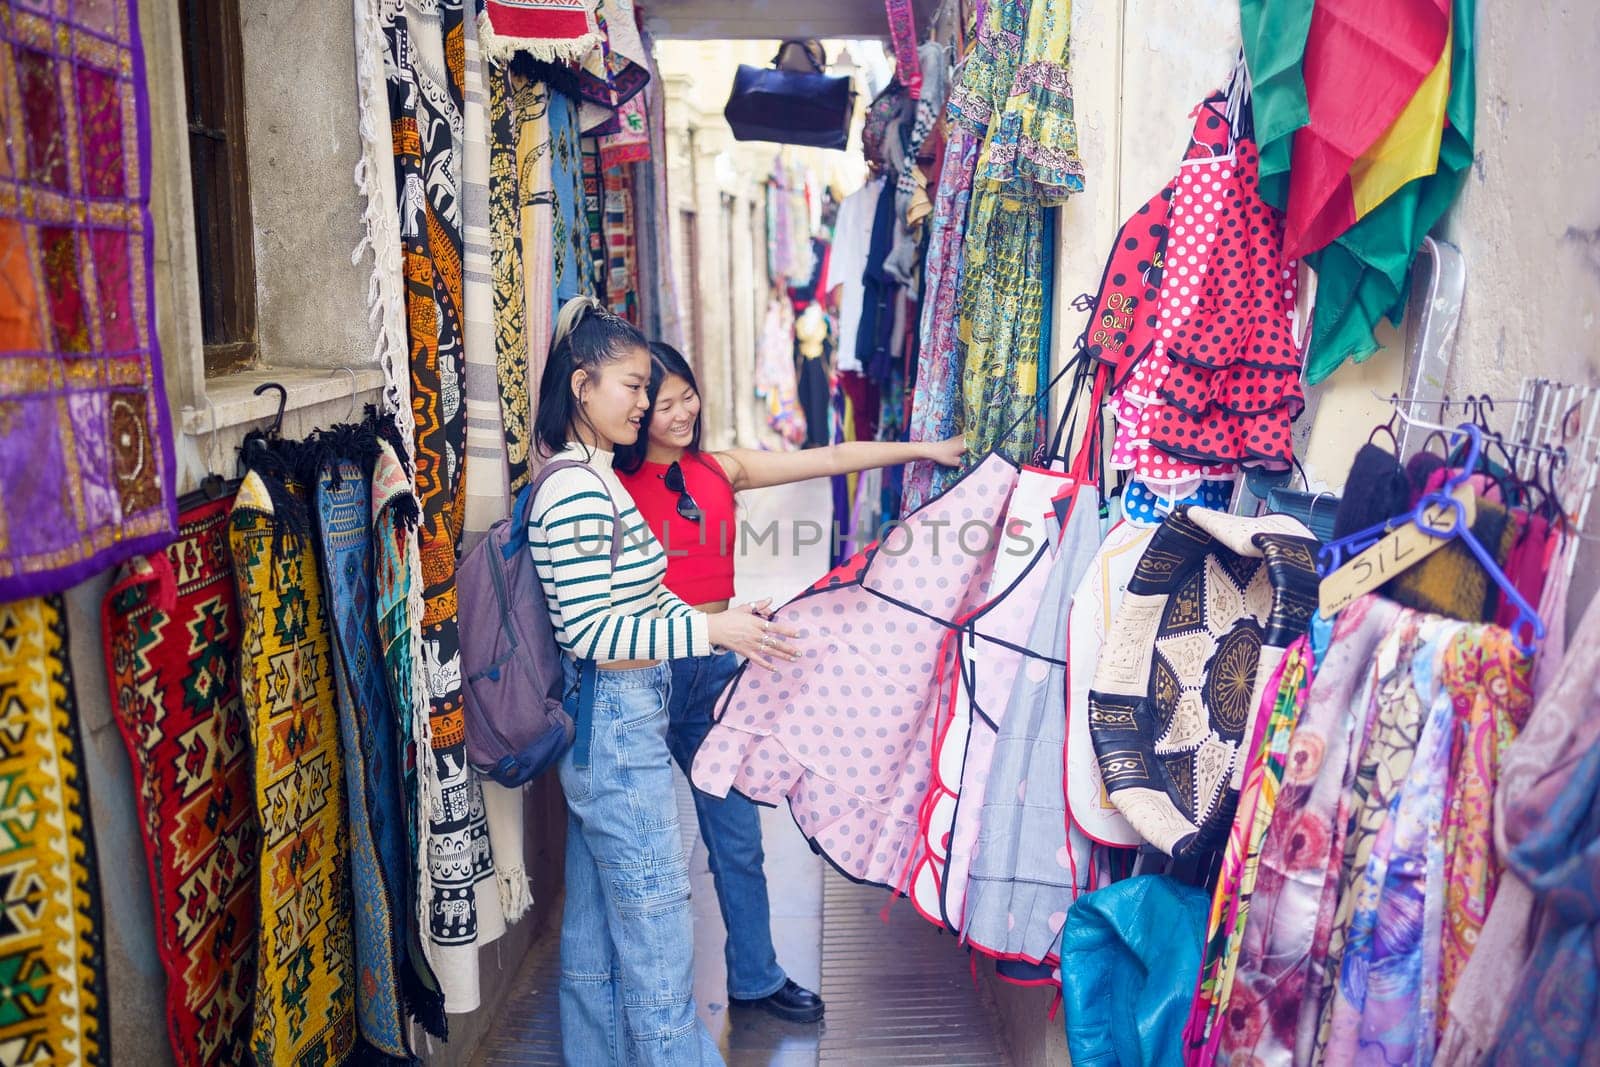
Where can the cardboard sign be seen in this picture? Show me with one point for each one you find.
(1407, 546)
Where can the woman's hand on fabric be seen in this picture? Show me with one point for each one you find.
(746, 629)
(949, 452)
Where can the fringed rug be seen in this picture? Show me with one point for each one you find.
(86, 462)
(170, 623)
(52, 955)
(390, 979)
(306, 981)
(427, 73)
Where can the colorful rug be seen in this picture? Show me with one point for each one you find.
(573, 266)
(594, 201)
(621, 275)
(306, 980)
(550, 30)
(487, 471)
(170, 623)
(397, 609)
(390, 979)
(53, 1005)
(86, 460)
(426, 69)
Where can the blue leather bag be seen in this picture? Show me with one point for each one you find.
(1130, 955)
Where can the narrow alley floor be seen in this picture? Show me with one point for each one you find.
(898, 992)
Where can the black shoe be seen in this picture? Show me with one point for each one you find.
(791, 1003)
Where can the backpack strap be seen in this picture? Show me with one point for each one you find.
(522, 509)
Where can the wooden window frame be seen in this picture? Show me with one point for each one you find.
(213, 70)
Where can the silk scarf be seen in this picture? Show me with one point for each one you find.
(1394, 725)
(1230, 906)
(305, 976)
(1384, 996)
(87, 471)
(171, 627)
(53, 1008)
(1303, 844)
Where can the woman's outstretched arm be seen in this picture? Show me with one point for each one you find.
(748, 468)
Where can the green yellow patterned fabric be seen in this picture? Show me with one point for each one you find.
(52, 969)
(305, 984)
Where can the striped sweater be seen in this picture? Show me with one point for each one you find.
(598, 612)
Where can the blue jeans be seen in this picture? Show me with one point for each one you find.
(627, 932)
(731, 829)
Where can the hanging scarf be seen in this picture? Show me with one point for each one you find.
(1361, 276)
(775, 374)
(1489, 681)
(936, 398)
(1394, 726)
(487, 442)
(375, 180)
(621, 276)
(53, 944)
(305, 995)
(171, 627)
(87, 471)
(1385, 994)
(1304, 843)
(1258, 799)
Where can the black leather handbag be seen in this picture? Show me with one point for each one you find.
(792, 106)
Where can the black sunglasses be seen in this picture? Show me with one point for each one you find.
(686, 505)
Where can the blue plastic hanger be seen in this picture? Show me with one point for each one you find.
(1529, 629)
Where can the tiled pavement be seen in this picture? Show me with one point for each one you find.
(898, 993)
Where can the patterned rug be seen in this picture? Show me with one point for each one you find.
(86, 462)
(426, 66)
(52, 963)
(306, 981)
(170, 624)
(381, 858)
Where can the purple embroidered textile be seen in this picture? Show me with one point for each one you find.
(86, 461)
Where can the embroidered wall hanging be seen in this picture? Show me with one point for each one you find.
(170, 623)
(86, 461)
(52, 955)
(306, 980)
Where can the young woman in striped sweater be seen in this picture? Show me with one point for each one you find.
(627, 939)
(687, 497)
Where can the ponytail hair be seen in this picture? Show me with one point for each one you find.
(587, 337)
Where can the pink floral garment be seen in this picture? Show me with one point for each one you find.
(1490, 683)
(845, 734)
(1303, 846)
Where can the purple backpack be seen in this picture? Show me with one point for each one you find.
(517, 727)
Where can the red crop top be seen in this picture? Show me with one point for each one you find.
(699, 554)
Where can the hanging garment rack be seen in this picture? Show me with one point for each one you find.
(1563, 416)
(1529, 628)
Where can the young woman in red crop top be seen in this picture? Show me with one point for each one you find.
(687, 498)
